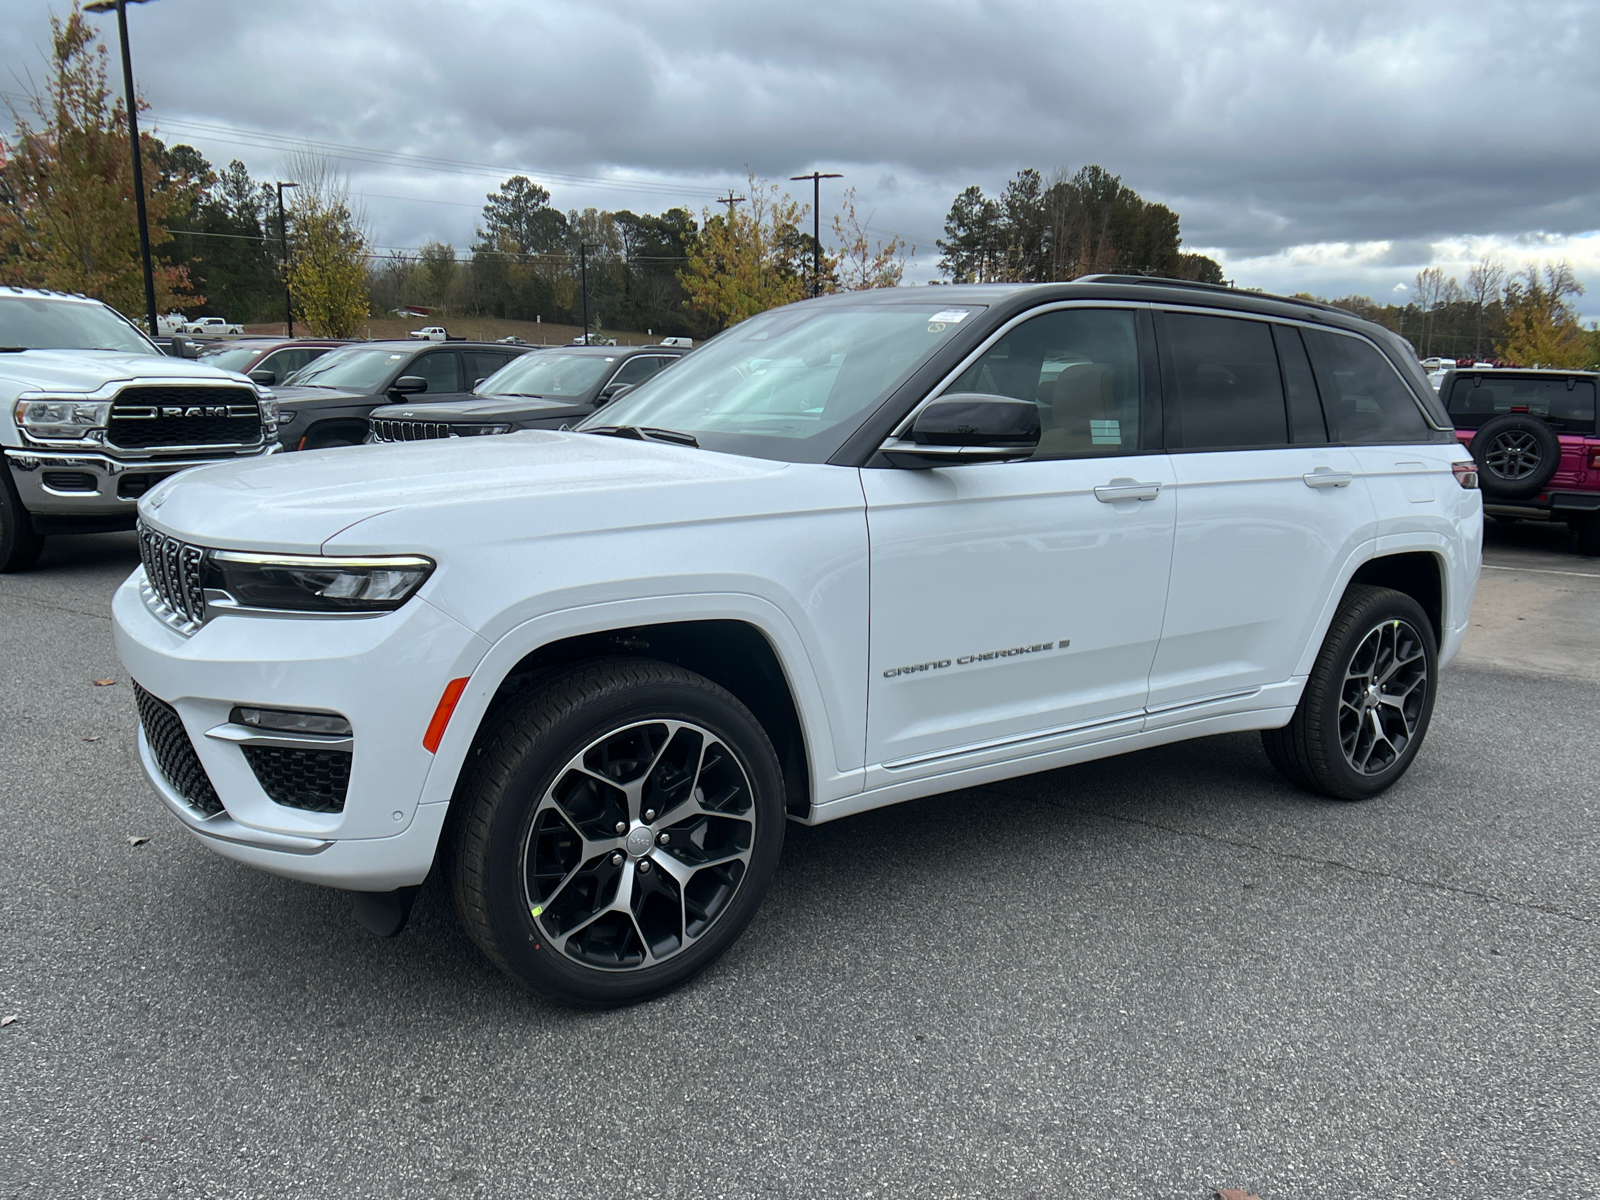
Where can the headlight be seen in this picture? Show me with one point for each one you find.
(62, 418)
(478, 430)
(285, 415)
(314, 584)
(270, 416)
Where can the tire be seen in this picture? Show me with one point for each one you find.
(533, 856)
(1588, 531)
(1380, 657)
(1517, 455)
(19, 543)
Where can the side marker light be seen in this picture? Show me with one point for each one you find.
(441, 715)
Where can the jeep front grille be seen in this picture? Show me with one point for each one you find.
(410, 431)
(175, 571)
(174, 753)
(153, 418)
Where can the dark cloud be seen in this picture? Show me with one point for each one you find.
(1266, 125)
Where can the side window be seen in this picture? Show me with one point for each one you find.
(1366, 401)
(286, 362)
(1223, 389)
(1306, 425)
(1081, 367)
(639, 368)
(439, 369)
(482, 363)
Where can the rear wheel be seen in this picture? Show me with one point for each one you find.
(618, 833)
(1588, 531)
(1368, 701)
(19, 544)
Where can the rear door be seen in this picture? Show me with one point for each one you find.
(442, 370)
(1268, 510)
(1016, 607)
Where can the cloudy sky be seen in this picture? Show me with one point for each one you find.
(1331, 148)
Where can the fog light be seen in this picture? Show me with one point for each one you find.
(286, 721)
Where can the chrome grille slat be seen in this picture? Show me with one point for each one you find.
(175, 573)
(410, 431)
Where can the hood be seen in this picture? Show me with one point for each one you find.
(440, 492)
(88, 370)
(483, 408)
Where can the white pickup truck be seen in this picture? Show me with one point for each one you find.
(854, 551)
(429, 333)
(212, 325)
(93, 415)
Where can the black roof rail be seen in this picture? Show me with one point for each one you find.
(1163, 281)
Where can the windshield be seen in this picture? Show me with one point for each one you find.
(358, 367)
(547, 373)
(790, 384)
(41, 323)
(1567, 404)
(233, 359)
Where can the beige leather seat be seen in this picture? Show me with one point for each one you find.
(1084, 392)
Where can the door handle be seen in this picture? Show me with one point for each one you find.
(1322, 477)
(1126, 489)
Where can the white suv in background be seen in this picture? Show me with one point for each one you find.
(854, 551)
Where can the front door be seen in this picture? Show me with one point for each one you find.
(1017, 606)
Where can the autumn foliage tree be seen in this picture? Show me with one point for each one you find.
(743, 263)
(67, 213)
(1542, 328)
(863, 261)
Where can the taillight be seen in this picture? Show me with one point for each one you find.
(1466, 474)
(1594, 461)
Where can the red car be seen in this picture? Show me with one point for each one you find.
(1532, 434)
(260, 357)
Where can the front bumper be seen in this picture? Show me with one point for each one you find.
(99, 485)
(384, 674)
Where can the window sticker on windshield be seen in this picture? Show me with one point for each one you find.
(950, 316)
(1105, 433)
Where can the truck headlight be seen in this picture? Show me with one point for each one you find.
(61, 418)
(270, 414)
(314, 584)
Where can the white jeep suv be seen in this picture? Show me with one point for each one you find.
(854, 551)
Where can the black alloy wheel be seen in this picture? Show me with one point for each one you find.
(617, 832)
(1517, 454)
(19, 543)
(1368, 701)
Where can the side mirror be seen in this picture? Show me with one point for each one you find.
(408, 384)
(612, 390)
(264, 377)
(477, 383)
(967, 427)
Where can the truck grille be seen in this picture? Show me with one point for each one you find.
(148, 418)
(410, 431)
(314, 780)
(174, 753)
(175, 571)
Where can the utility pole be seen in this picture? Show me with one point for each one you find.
(583, 275)
(816, 178)
(120, 7)
(730, 200)
(283, 246)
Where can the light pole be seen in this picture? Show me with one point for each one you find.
(583, 276)
(816, 178)
(120, 7)
(283, 246)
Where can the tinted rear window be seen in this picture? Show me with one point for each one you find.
(1226, 389)
(1567, 404)
(1364, 398)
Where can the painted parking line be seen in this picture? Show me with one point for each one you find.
(1543, 571)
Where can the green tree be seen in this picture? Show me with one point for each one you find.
(327, 252)
(518, 218)
(740, 264)
(67, 219)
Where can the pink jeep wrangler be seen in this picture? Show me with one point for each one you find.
(1532, 433)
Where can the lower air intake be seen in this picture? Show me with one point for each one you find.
(313, 780)
(174, 752)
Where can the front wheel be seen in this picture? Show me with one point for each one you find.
(1368, 700)
(618, 832)
(19, 544)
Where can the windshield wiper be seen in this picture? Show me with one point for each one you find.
(646, 433)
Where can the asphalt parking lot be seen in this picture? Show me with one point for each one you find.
(1145, 977)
